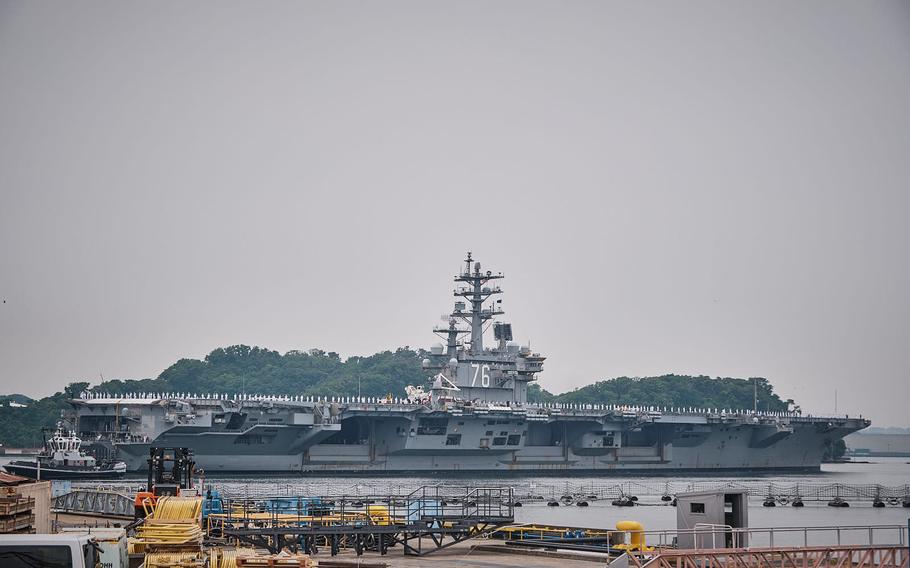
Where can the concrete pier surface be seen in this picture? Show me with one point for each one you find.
(478, 553)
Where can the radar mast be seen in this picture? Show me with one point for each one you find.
(476, 292)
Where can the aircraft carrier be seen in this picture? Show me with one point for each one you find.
(472, 416)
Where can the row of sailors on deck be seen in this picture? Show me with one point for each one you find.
(633, 409)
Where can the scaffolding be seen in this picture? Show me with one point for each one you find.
(426, 520)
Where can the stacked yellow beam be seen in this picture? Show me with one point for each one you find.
(178, 508)
(175, 524)
(174, 560)
(175, 533)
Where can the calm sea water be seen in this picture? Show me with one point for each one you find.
(891, 473)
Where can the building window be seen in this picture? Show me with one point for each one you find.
(499, 441)
(514, 439)
(697, 508)
(453, 440)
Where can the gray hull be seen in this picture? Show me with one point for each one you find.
(743, 447)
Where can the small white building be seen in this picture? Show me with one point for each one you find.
(708, 519)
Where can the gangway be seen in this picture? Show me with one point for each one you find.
(428, 519)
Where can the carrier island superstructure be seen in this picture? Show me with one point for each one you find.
(473, 415)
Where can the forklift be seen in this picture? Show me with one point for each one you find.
(170, 472)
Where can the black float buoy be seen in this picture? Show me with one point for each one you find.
(552, 503)
(838, 502)
(665, 498)
(517, 504)
(623, 502)
(797, 502)
(769, 502)
(878, 503)
(906, 502)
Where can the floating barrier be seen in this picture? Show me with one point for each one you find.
(533, 490)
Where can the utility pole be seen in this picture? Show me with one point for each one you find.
(755, 394)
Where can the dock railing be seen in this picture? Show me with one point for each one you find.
(711, 536)
(854, 556)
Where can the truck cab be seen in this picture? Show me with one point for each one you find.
(48, 551)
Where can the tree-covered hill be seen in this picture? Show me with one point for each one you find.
(680, 390)
(21, 427)
(255, 370)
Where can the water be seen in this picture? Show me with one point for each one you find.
(893, 473)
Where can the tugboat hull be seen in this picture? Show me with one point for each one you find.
(30, 470)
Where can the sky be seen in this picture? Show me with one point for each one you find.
(715, 188)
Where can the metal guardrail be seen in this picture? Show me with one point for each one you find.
(710, 536)
(852, 556)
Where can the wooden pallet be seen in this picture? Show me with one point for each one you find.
(11, 505)
(17, 522)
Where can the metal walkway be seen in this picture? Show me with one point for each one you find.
(428, 519)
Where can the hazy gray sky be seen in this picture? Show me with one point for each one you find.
(717, 188)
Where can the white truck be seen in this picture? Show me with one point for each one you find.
(49, 551)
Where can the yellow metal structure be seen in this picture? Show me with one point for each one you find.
(174, 560)
(537, 532)
(173, 527)
(636, 535)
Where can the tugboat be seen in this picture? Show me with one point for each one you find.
(62, 458)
